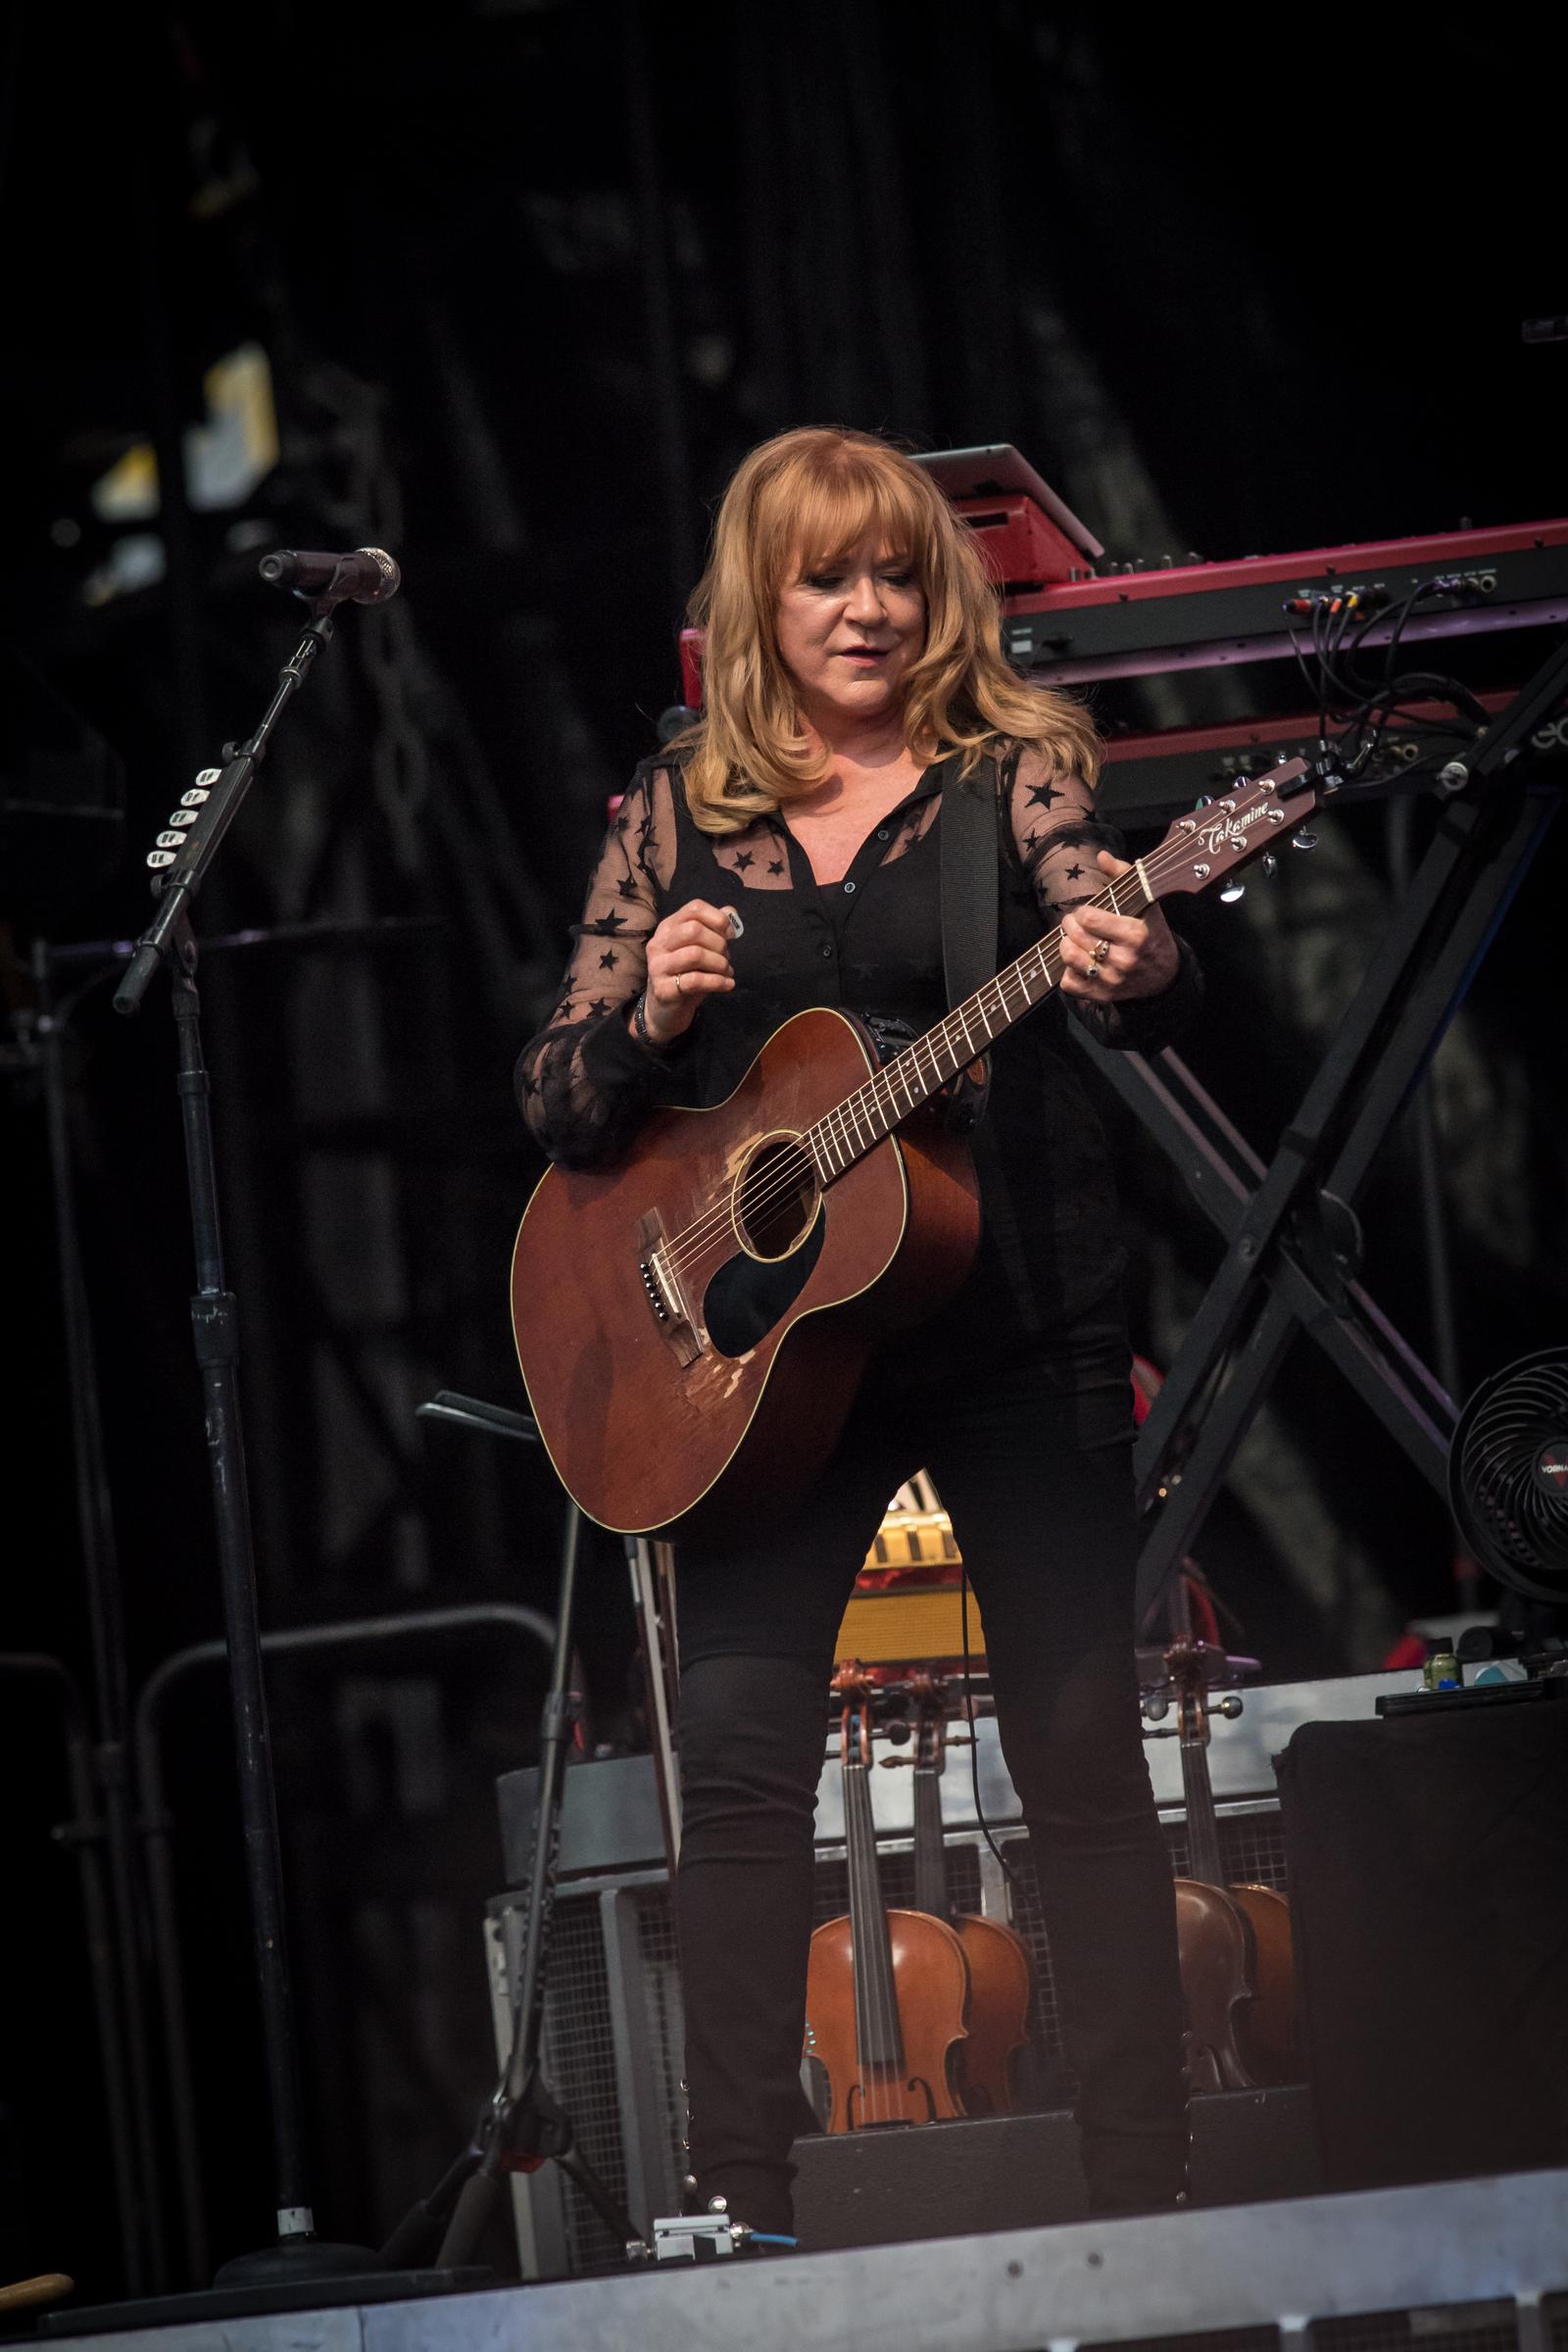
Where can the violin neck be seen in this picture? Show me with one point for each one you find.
(1203, 1824)
(930, 1854)
(878, 2034)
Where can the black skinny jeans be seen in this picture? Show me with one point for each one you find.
(1032, 1459)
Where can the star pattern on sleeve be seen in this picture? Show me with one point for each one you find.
(776, 866)
(1073, 872)
(608, 961)
(627, 888)
(600, 1005)
(1042, 795)
(743, 860)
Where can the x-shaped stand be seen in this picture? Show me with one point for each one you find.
(1292, 1238)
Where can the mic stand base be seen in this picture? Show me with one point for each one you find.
(295, 2259)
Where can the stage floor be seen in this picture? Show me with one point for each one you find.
(1405, 2262)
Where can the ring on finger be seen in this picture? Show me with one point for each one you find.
(1102, 949)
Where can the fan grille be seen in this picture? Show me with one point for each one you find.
(1508, 1475)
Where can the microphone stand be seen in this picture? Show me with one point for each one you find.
(524, 2125)
(182, 862)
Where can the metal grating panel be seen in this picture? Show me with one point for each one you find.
(656, 1936)
(578, 2059)
(1445, 2328)
(1251, 1848)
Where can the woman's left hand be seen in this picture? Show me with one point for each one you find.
(1109, 957)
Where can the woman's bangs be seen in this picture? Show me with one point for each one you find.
(833, 511)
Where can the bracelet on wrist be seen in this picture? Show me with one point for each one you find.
(639, 1022)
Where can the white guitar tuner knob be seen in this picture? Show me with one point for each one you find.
(157, 858)
(1205, 800)
(194, 798)
(170, 841)
(1232, 891)
(1268, 864)
(182, 816)
(208, 775)
(1303, 840)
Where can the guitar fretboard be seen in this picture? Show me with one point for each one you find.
(892, 1094)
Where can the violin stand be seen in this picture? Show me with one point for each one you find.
(1292, 1240)
(524, 2125)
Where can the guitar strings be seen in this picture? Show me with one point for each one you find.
(879, 1090)
(877, 1094)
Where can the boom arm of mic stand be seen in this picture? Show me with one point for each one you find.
(178, 884)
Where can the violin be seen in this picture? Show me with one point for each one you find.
(1001, 1977)
(1236, 1959)
(885, 1991)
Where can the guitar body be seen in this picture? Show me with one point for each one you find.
(693, 1323)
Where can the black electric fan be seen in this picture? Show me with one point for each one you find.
(1508, 1475)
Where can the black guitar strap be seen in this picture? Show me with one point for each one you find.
(971, 895)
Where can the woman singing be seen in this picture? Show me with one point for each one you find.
(854, 684)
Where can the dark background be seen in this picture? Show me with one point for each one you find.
(529, 279)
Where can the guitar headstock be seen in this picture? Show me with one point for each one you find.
(1220, 836)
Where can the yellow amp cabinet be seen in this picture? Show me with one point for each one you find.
(906, 1601)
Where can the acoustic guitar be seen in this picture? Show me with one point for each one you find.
(693, 1322)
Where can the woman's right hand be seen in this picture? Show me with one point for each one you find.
(688, 960)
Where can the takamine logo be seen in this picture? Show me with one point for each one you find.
(1229, 833)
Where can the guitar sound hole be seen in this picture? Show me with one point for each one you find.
(778, 1217)
(775, 1201)
(748, 1296)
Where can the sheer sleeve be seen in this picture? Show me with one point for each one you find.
(584, 1083)
(1057, 836)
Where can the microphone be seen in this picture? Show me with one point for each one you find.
(368, 577)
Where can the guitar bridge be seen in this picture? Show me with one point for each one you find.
(665, 1299)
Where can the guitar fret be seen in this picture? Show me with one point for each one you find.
(886, 1099)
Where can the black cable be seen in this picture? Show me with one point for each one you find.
(1012, 1876)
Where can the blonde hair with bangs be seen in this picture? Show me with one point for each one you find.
(793, 505)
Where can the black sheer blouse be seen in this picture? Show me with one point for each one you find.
(871, 943)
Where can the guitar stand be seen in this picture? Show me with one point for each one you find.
(524, 2125)
(1292, 1242)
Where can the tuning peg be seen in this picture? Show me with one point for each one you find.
(1232, 891)
(1268, 864)
(1301, 839)
(1205, 800)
